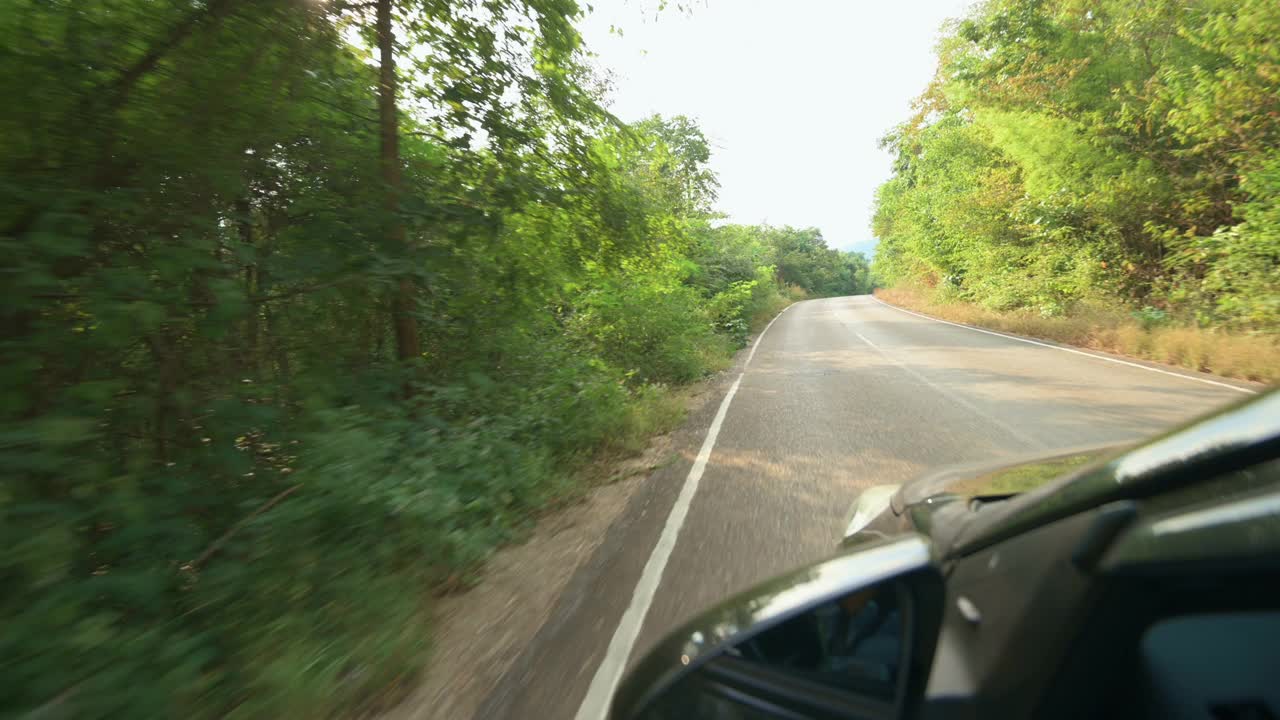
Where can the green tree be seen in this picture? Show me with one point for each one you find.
(1072, 151)
(236, 233)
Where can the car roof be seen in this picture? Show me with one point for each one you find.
(1237, 437)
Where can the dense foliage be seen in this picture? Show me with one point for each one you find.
(308, 306)
(1073, 151)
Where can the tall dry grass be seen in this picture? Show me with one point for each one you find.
(1235, 355)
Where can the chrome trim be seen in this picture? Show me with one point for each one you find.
(870, 504)
(778, 600)
(845, 574)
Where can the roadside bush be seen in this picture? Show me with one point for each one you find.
(309, 591)
(307, 585)
(654, 409)
(654, 333)
(260, 401)
(768, 307)
(1150, 318)
(1241, 282)
(730, 310)
(746, 305)
(796, 293)
(766, 301)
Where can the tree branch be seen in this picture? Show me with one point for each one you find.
(194, 565)
(118, 93)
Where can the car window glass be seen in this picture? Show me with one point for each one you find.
(846, 653)
(1219, 664)
(853, 643)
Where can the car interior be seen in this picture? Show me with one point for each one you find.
(1187, 638)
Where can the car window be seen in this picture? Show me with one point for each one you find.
(1185, 622)
(1218, 665)
(843, 658)
(853, 643)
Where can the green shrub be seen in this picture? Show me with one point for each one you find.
(1150, 318)
(730, 309)
(258, 405)
(654, 409)
(654, 333)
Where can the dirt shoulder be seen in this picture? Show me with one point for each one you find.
(479, 634)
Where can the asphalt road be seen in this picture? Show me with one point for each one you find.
(840, 394)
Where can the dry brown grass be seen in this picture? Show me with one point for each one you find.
(795, 293)
(1236, 355)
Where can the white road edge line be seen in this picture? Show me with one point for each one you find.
(1069, 350)
(596, 704)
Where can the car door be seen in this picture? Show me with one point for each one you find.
(1186, 618)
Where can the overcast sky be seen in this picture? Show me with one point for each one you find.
(793, 94)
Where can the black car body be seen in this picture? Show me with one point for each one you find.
(1138, 583)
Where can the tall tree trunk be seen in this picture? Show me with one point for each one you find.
(406, 328)
(283, 373)
(244, 226)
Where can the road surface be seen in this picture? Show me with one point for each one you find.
(837, 394)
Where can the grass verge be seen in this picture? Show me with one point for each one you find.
(1236, 355)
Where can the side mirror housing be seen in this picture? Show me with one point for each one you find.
(850, 637)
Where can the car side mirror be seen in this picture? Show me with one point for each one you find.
(850, 637)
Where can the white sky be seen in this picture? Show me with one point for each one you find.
(793, 94)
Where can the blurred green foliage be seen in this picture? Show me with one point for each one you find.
(223, 495)
(1096, 152)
